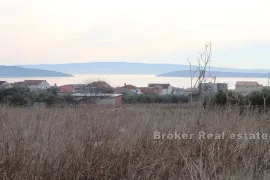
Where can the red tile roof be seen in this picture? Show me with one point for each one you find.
(150, 89)
(247, 83)
(124, 88)
(66, 89)
(119, 90)
(130, 86)
(33, 82)
(164, 86)
(20, 83)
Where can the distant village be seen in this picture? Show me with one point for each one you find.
(109, 95)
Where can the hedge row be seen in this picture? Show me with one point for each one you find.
(151, 98)
(21, 96)
(231, 97)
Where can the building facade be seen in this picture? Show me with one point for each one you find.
(35, 85)
(151, 90)
(101, 99)
(164, 89)
(127, 89)
(208, 88)
(246, 87)
(114, 100)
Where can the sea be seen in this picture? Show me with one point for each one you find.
(136, 80)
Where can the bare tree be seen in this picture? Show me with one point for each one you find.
(264, 93)
(265, 97)
(203, 66)
(192, 75)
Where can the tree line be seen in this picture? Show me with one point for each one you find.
(224, 97)
(154, 98)
(22, 96)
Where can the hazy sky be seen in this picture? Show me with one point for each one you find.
(60, 31)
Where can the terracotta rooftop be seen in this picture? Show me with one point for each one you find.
(247, 83)
(129, 86)
(66, 88)
(123, 89)
(164, 86)
(120, 90)
(33, 82)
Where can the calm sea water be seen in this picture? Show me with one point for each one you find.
(137, 80)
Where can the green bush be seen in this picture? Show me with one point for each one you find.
(225, 97)
(236, 98)
(129, 99)
(20, 96)
(153, 98)
(221, 98)
(18, 100)
(257, 97)
(48, 96)
(15, 96)
(68, 99)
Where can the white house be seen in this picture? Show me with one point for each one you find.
(4, 85)
(136, 91)
(34, 85)
(245, 87)
(165, 88)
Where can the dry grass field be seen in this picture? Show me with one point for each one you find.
(118, 143)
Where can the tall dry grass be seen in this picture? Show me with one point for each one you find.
(117, 143)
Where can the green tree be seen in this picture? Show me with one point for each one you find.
(221, 98)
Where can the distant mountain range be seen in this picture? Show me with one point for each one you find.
(186, 73)
(134, 68)
(15, 71)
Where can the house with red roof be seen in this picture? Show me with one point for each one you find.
(127, 89)
(151, 90)
(94, 87)
(245, 87)
(162, 89)
(35, 85)
(69, 88)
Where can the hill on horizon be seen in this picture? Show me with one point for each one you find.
(186, 73)
(128, 68)
(16, 71)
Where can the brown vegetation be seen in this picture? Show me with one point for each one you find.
(117, 143)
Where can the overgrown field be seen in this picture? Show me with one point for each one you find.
(118, 143)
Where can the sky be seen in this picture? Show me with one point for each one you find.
(150, 31)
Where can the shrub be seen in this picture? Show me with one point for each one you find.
(154, 98)
(68, 99)
(221, 98)
(257, 97)
(17, 100)
(15, 96)
(22, 96)
(225, 97)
